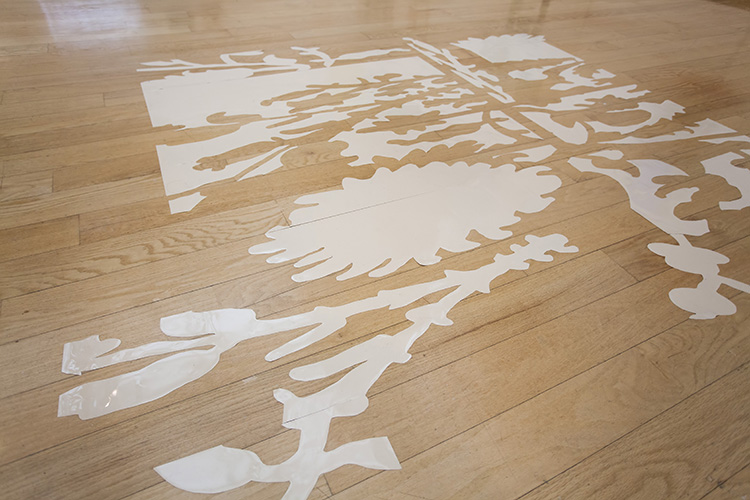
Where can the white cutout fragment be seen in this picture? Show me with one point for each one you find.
(185, 203)
(642, 194)
(220, 468)
(610, 154)
(366, 145)
(736, 176)
(267, 64)
(407, 214)
(657, 112)
(722, 140)
(503, 120)
(265, 164)
(479, 78)
(577, 134)
(254, 108)
(704, 301)
(574, 80)
(329, 61)
(535, 155)
(701, 129)
(224, 93)
(513, 48)
(536, 74)
(586, 100)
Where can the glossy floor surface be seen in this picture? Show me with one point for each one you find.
(575, 378)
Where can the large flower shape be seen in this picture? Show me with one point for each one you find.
(377, 225)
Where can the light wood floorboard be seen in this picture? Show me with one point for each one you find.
(576, 378)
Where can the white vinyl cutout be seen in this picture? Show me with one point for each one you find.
(216, 470)
(704, 301)
(365, 146)
(587, 99)
(413, 213)
(363, 226)
(185, 203)
(701, 129)
(642, 190)
(478, 78)
(736, 176)
(535, 74)
(507, 48)
(722, 140)
(386, 110)
(534, 155)
(225, 92)
(657, 112)
(575, 134)
(574, 80)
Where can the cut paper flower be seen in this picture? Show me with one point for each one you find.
(377, 225)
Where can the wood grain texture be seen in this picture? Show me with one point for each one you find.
(676, 457)
(737, 486)
(25, 186)
(37, 273)
(39, 238)
(609, 401)
(575, 378)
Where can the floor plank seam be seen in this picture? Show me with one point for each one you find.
(707, 386)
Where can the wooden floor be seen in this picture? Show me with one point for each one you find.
(577, 378)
